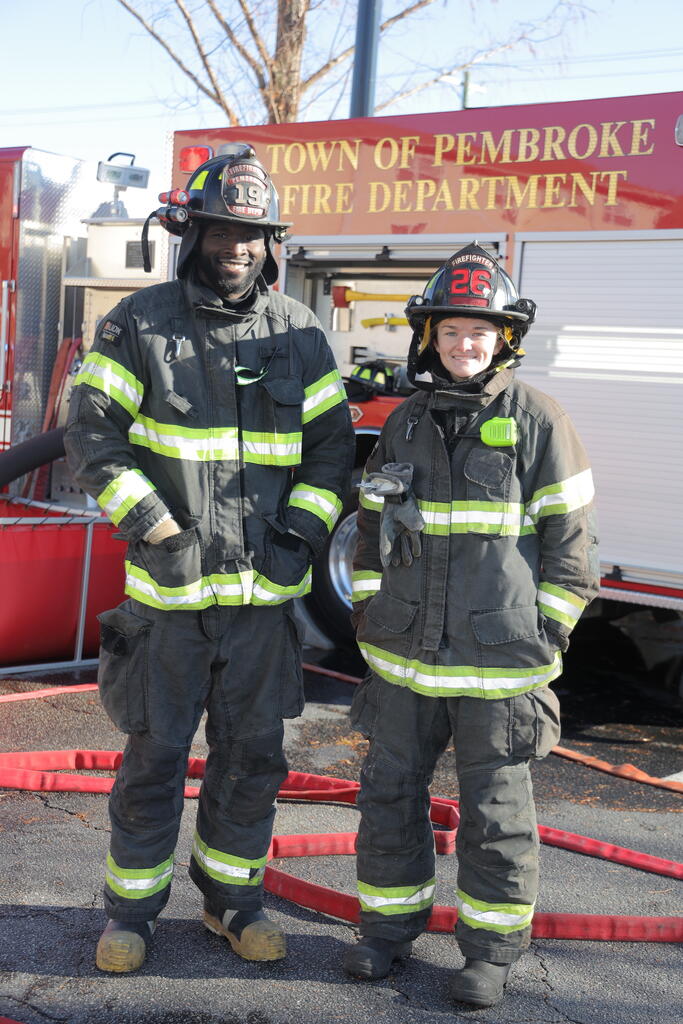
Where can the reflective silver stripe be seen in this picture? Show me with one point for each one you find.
(323, 395)
(500, 917)
(560, 604)
(565, 496)
(124, 493)
(380, 898)
(185, 443)
(321, 502)
(113, 380)
(443, 681)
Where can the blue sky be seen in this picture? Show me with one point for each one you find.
(80, 77)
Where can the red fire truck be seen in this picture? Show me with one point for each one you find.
(583, 202)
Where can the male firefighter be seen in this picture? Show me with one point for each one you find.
(210, 423)
(476, 557)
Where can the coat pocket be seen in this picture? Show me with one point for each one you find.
(387, 618)
(488, 474)
(511, 638)
(122, 673)
(173, 564)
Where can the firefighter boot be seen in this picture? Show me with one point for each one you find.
(249, 932)
(371, 957)
(123, 945)
(479, 983)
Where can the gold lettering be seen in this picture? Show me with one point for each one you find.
(528, 145)
(408, 144)
(392, 146)
(295, 158)
(640, 135)
(591, 141)
(464, 146)
(274, 148)
(401, 200)
(553, 137)
(350, 151)
(468, 194)
(609, 143)
(289, 193)
(491, 185)
(379, 192)
(321, 200)
(489, 151)
(613, 185)
(588, 190)
(553, 195)
(517, 196)
(442, 144)
(426, 188)
(343, 197)
(443, 196)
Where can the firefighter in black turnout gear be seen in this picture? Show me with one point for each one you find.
(210, 422)
(476, 557)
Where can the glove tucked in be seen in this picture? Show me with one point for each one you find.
(401, 522)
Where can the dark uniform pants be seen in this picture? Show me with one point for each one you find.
(497, 839)
(159, 671)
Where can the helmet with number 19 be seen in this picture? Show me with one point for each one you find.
(233, 187)
(471, 283)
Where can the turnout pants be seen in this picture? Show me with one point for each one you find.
(497, 839)
(159, 671)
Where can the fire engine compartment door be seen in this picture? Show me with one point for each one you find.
(608, 345)
(319, 270)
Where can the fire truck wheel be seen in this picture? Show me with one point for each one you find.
(330, 600)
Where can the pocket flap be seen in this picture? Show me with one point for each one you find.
(123, 622)
(488, 468)
(503, 625)
(390, 612)
(284, 390)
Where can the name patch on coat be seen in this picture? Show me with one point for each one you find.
(111, 332)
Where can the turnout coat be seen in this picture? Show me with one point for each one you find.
(509, 555)
(232, 420)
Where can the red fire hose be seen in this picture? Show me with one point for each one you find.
(37, 770)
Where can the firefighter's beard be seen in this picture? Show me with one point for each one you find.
(229, 285)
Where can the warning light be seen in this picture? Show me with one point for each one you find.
(177, 197)
(192, 156)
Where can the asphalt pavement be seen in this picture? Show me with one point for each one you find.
(53, 845)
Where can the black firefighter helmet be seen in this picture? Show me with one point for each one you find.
(234, 186)
(470, 283)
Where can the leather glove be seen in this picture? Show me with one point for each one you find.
(164, 529)
(401, 522)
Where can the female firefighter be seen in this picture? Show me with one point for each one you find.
(477, 555)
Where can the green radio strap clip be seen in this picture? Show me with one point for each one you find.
(499, 432)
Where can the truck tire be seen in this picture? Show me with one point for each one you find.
(330, 599)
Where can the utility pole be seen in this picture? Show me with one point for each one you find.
(365, 58)
(465, 89)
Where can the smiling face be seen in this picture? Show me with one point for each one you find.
(231, 257)
(466, 345)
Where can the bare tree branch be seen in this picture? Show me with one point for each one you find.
(255, 35)
(205, 62)
(326, 68)
(216, 97)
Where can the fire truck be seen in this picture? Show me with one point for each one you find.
(582, 202)
(68, 253)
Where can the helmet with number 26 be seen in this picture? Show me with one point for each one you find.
(470, 283)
